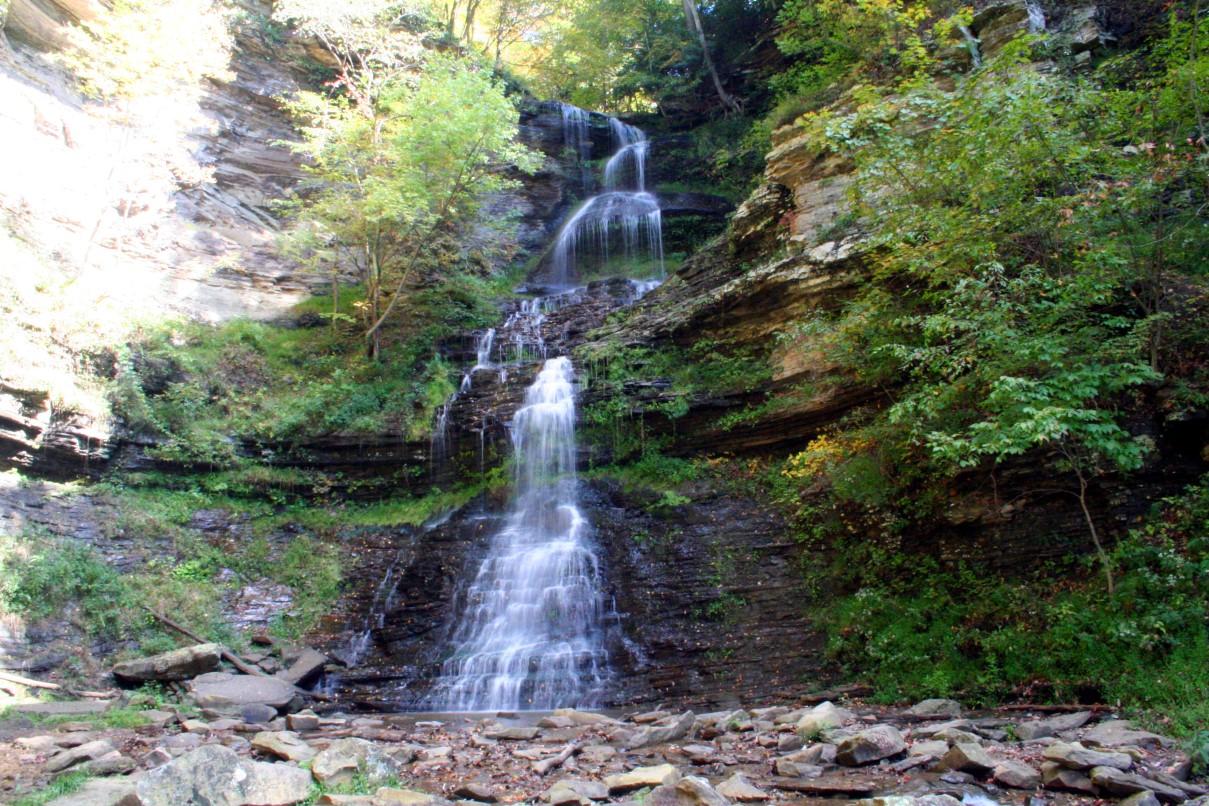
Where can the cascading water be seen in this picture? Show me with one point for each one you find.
(577, 140)
(624, 220)
(531, 633)
(1036, 17)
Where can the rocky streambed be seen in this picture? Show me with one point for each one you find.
(226, 749)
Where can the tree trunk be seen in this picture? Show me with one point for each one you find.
(694, 25)
(1091, 526)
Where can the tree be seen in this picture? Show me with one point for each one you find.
(390, 177)
(694, 25)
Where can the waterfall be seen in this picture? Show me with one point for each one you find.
(530, 635)
(1036, 17)
(623, 221)
(972, 44)
(577, 140)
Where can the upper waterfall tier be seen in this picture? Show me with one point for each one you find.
(624, 221)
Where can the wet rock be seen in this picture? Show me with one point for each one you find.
(78, 755)
(215, 775)
(1041, 728)
(640, 778)
(868, 746)
(823, 716)
(1055, 776)
(936, 707)
(476, 791)
(648, 736)
(903, 800)
(229, 692)
(341, 762)
(1116, 782)
(306, 669)
(283, 744)
(737, 787)
(1077, 757)
(257, 713)
(966, 757)
(1121, 733)
(179, 664)
(829, 785)
(1016, 775)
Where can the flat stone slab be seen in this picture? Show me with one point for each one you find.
(828, 785)
(67, 708)
(98, 792)
(220, 690)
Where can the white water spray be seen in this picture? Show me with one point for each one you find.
(530, 635)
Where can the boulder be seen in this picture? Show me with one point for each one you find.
(868, 746)
(257, 713)
(1055, 776)
(339, 764)
(1041, 728)
(283, 744)
(652, 735)
(1116, 782)
(215, 775)
(303, 720)
(306, 669)
(585, 717)
(225, 692)
(967, 757)
(738, 788)
(640, 778)
(179, 664)
(584, 791)
(823, 716)
(936, 707)
(69, 758)
(1016, 775)
(476, 791)
(690, 790)
(1121, 733)
(1077, 757)
(1146, 798)
(387, 796)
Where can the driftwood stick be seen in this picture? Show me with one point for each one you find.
(9, 677)
(25, 681)
(1055, 709)
(227, 654)
(549, 765)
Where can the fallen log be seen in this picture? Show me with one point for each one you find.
(30, 683)
(546, 766)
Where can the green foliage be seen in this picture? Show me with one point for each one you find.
(60, 787)
(402, 162)
(917, 630)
